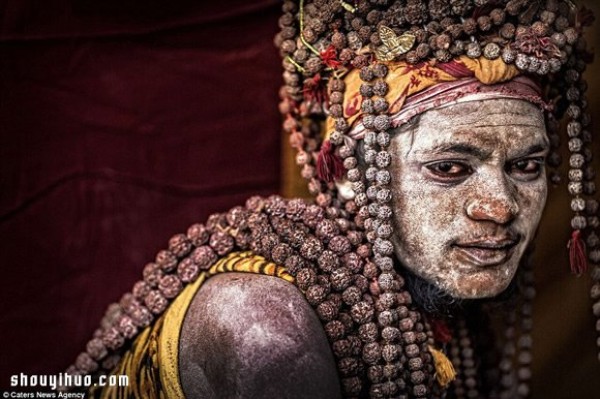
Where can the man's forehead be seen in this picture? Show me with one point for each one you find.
(487, 137)
(509, 129)
(497, 112)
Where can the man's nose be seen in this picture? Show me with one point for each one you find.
(498, 205)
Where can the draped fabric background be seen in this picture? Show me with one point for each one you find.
(122, 123)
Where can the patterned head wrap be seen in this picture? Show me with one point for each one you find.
(414, 89)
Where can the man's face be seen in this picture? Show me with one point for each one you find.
(469, 189)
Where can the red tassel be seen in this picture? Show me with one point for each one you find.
(577, 253)
(329, 165)
(329, 57)
(441, 331)
(315, 90)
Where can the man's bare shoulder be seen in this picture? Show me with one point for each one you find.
(248, 335)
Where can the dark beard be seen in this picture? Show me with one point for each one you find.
(437, 302)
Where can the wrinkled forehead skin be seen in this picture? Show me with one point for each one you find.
(469, 188)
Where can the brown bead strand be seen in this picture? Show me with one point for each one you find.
(376, 121)
(349, 364)
(578, 113)
(346, 152)
(318, 285)
(458, 385)
(591, 206)
(554, 159)
(525, 339)
(595, 296)
(577, 159)
(593, 245)
(509, 349)
(361, 311)
(386, 312)
(468, 363)
(304, 135)
(420, 387)
(435, 390)
(412, 355)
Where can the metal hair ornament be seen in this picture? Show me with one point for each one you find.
(393, 45)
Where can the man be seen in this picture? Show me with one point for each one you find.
(471, 196)
(441, 131)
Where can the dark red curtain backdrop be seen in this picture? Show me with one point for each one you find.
(121, 123)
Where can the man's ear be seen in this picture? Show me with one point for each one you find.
(344, 188)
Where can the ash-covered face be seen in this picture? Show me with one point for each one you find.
(469, 188)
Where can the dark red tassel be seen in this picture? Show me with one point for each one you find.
(577, 253)
(315, 90)
(329, 57)
(441, 331)
(329, 165)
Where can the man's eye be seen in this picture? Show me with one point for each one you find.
(527, 169)
(449, 170)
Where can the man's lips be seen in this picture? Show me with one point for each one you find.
(485, 252)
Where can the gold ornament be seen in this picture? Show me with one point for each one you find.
(393, 45)
(348, 7)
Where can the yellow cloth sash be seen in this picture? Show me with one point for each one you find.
(152, 362)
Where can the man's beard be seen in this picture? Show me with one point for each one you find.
(437, 302)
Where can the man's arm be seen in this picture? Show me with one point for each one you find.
(254, 336)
